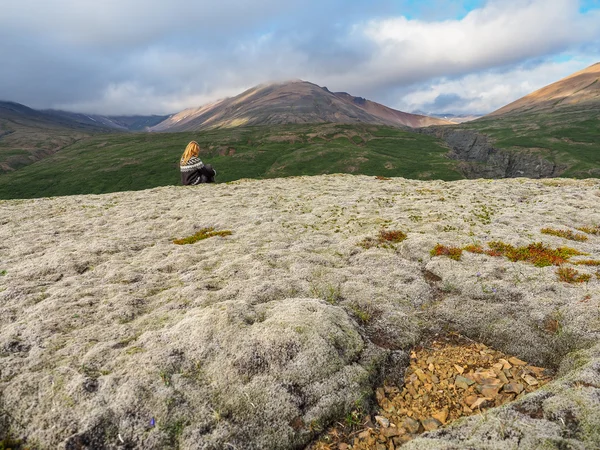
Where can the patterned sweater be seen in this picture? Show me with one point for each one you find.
(194, 172)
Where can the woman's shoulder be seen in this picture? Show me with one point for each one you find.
(194, 163)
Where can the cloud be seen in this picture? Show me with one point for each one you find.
(483, 92)
(154, 56)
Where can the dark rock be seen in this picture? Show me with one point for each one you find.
(480, 159)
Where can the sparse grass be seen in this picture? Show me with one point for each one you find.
(566, 234)
(204, 233)
(570, 275)
(451, 252)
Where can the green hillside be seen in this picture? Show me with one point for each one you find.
(118, 162)
(569, 137)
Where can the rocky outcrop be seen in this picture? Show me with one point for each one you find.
(480, 159)
(112, 336)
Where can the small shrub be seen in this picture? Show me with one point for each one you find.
(588, 262)
(537, 254)
(385, 238)
(569, 275)
(204, 233)
(589, 230)
(451, 252)
(394, 236)
(472, 248)
(567, 234)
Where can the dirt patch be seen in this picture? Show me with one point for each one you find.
(449, 378)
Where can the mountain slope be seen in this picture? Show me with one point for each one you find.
(580, 90)
(389, 114)
(284, 103)
(119, 123)
(27, 135)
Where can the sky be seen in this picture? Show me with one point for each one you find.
(162, 56)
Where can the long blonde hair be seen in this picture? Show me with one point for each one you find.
(191, 150)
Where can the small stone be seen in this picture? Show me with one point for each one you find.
(530, 380)
(502, 377)
(463, 382)
(459, 369)
(421, 375)
(342, 446)
(431, 367)
(411, 425)
(364, 434)
(392, 432)
(384, 422)
(505, 364)
(515, 388)
(479, 403)
(431, 424)
(441, 415)
(489, 391)
(516, 361)
(379, 395)
(380, 447)
(471, 399)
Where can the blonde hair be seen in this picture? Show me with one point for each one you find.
(191, 150)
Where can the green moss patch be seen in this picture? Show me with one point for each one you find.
(570, 275)
(451, 252)
(537, 253)
(567, 234)
(385, 239)
(204, 233)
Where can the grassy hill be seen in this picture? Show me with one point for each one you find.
(569, 137)
(117, 162)
(27, 135)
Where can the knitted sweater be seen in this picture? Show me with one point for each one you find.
(194, 172)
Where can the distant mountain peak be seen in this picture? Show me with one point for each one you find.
(292, 101)
(580, 89)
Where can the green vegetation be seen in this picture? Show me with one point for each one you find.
(119, 162)
(568, 137)
(567, 234)
(570, 275)
(386, 239)
(589, 230)
(537, 254)
(451, 252)
(204, 233)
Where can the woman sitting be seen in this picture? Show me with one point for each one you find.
(193, 171)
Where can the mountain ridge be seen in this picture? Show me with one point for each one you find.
(578, 90)
(293, 101)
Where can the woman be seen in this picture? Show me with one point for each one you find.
(193, 171)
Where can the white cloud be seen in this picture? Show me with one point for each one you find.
(134, 56)
(502, 32)
(483, 92)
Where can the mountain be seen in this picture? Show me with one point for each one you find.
(580, 90)
(121, 123)
(27, 135)
(392, 115)
(289, 102)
